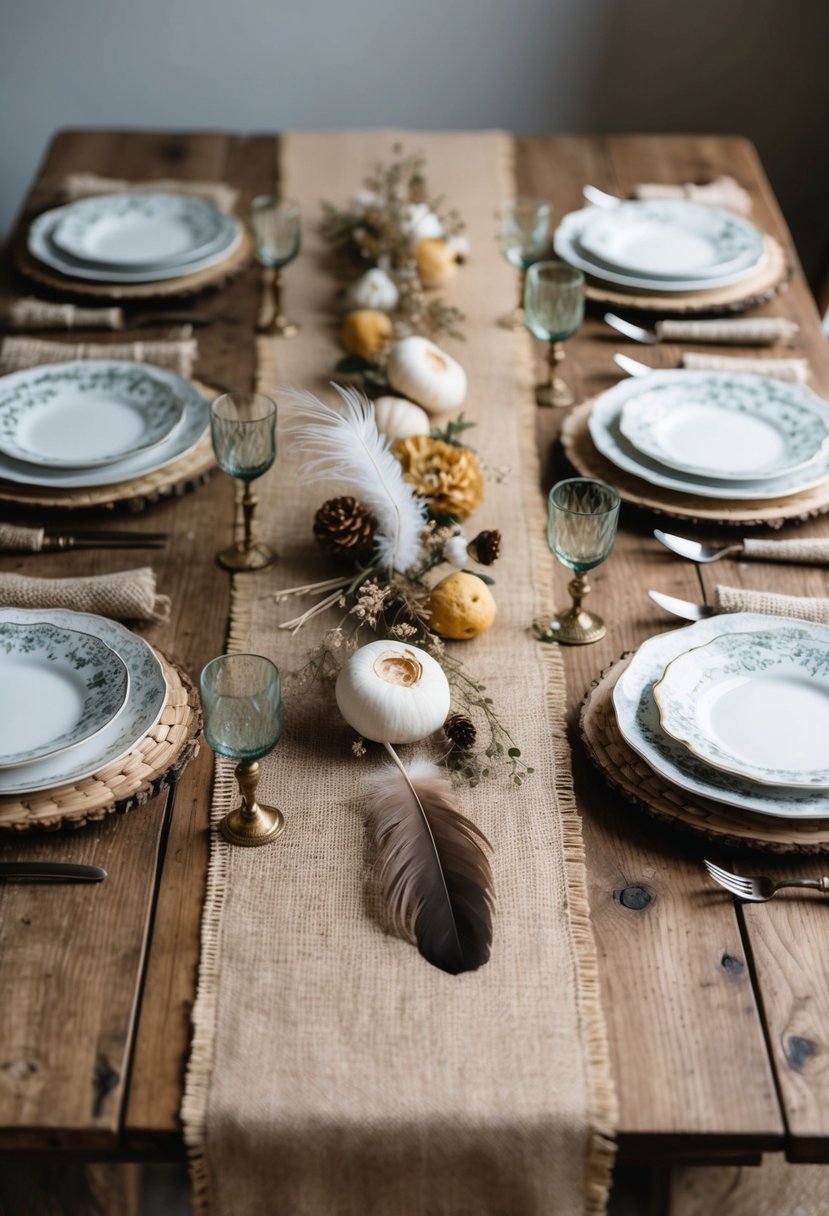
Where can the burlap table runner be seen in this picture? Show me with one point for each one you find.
(333, 1070)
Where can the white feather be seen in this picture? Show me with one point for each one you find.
(346, 446)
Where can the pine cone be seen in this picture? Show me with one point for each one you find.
(485, 547)
(460, 731)
(343, 525)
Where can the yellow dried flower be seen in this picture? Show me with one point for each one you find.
(447, 475)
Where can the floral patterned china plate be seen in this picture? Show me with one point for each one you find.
(638, 719)
(59, 688)
(137, 229)
(671, 239)
(604, 426)
(753, 704)
(85, 414)
(143, 708)
(181, 440)
(728, 429)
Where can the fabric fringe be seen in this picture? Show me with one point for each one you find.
(602, 1100)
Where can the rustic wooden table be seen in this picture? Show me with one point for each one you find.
(717, 1016)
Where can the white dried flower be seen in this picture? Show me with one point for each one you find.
(365, 200)
(420, 221)
(358, 749)
(455, 552)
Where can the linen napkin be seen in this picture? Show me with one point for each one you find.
(806, 607)
(32, 313)
(84, 185)
(722, 192)
(808, 552)
(128, 595)
(16, 537)
(741, 331)
(795, 371)
(175, 354)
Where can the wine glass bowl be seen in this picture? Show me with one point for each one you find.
(524, 239)
(554, 310)
(582, 518)
(243, 430)
(277, 234)
(244, 718)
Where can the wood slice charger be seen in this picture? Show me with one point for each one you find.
(630, 776)
(152, 765)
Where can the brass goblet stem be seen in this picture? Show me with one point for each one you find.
(576, 626)
(516, 319)
(247, 554)
(274, 323)
(251, 824)
(555, 392)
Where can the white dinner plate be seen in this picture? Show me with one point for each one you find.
(137, 229)
(605, 432)
(144, 706)
(85, 414)
(182, 440)
(753, 704)
(731, 430)
(638, 719)
(567, 244)
(58, 687)
(670, 239)
(42, 247)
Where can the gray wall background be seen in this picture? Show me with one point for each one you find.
(751, 67)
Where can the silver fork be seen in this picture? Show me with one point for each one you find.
(760, 888)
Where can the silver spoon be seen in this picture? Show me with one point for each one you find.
(696, 551)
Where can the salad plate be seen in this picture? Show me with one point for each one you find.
(638, 719)
(41, 246)
(606, 434)
(670, 239)
(85, 414)
(60, 687)
(567, 244)
(143, 708)
(727, 428)
(182, 439)
(137, 228)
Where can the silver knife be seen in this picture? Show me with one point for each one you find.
(683, 608)
(49, 871)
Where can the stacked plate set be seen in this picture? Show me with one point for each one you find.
(97, 422)
(657, 247)
(734, 708)
(80, 692)
(134, 237)
(720, 435)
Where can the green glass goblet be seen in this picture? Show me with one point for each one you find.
(554, 308)
(582, 518)
(524, 239)
(277, 235)
(243, 429)
(243, 720)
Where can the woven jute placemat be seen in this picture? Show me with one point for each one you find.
(155, 763)
(176, 478)
(630, 776)
(185, 285)
(767, 282)
(586, 460)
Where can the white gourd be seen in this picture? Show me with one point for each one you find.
(421, 371)
(393, 693)
(398, 418)
(374, 289)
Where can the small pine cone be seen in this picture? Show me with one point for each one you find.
(485, 547)
(343, 525)
(460, 731)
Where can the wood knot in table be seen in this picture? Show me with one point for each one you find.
(635, 897)
(734, 967)
(798, 1050)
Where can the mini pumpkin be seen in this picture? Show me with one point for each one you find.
(392, 693)
(374, 289)
(366, 331)
(398, 418)
(436, 262)
(421, 371)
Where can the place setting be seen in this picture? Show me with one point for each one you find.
(672, 255)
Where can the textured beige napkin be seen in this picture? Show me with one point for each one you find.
(796, 371)
(14, 537)
(85, 185)
(31, 313)
(808, 552)
(723, 192)
(741, 331)
(806, 607)
(129, 595)
(177, 355)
